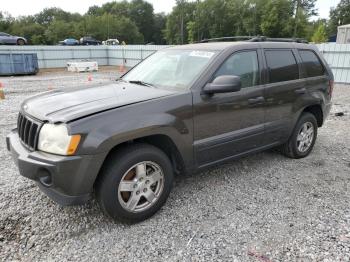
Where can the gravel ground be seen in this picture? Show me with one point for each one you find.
(261, 208)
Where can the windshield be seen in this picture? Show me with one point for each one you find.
(170, 68)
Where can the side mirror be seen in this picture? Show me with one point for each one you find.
(223, 84)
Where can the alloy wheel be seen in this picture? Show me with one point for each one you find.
(305, 137)
(141, 186)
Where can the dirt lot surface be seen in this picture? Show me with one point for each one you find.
(260, 208)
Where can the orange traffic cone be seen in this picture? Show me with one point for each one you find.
(121, 69)
(2, 94)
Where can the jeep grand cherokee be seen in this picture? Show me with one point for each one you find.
(183, 109)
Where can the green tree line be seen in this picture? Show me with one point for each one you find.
(135, 22)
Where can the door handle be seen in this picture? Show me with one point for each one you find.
(256, 100)
(300, 91)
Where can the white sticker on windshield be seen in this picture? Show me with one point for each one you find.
(202, 54)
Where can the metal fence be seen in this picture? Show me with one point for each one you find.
(338, 58)
(337, 55)
(58, 56)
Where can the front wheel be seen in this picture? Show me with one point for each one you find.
(134, 183)
(303, 138)
(20, 42)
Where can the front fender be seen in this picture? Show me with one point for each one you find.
(161, 124)
(104, 131)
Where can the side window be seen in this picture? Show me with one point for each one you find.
(282, 65)
(243, 64)
(311, 63)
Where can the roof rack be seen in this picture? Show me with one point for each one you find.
(255, 39)
(268, 39)
(227, 38)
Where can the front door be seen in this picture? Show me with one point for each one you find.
(229, 124)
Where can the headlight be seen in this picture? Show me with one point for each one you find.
(55, 139)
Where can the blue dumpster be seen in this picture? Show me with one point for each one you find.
(18, 64)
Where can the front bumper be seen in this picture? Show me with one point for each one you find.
(68, 180)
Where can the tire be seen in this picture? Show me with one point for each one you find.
(293, 147)
(20, 42)
(125, 168)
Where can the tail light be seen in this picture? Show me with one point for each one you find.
(331, 87)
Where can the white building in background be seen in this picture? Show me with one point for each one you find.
(343, 36)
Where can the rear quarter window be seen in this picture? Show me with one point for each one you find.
(282, 65)
(311, 63)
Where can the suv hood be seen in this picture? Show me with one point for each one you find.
(68, 104)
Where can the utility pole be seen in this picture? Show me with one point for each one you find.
(197, 18)
(182, 28)
(296, 17)
(107, 25)
(182, 23)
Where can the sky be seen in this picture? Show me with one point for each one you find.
(30, 7)
(324, 6)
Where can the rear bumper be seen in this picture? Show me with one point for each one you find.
(326, 111)
(68, 180)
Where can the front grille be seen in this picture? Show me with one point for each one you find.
(28, 131)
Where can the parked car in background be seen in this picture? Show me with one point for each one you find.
(69, 41)
(7, 39)
(111, 42)
(88, 40)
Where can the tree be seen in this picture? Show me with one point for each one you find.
(48, 15)
(59, 30)
(5, 21)
(141, 12)
(33, 32)
(217, 18)
(119, 27)
(302, 9)
(339, 16)
(126, 30)
(312, 27)
(277, 18)
(94, 10)
(138, 11)
(320, 35)
(176, 31)
(120, 8)
(159, 25)
(134, 21)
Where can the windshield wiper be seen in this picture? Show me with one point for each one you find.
(139, 82)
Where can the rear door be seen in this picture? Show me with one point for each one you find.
(314, 71)
(283, 88)
(229, 124)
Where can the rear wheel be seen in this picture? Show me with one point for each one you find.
(20, 42)
(303, 138)
(134, 183)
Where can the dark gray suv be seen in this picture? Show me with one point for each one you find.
(183, 109)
